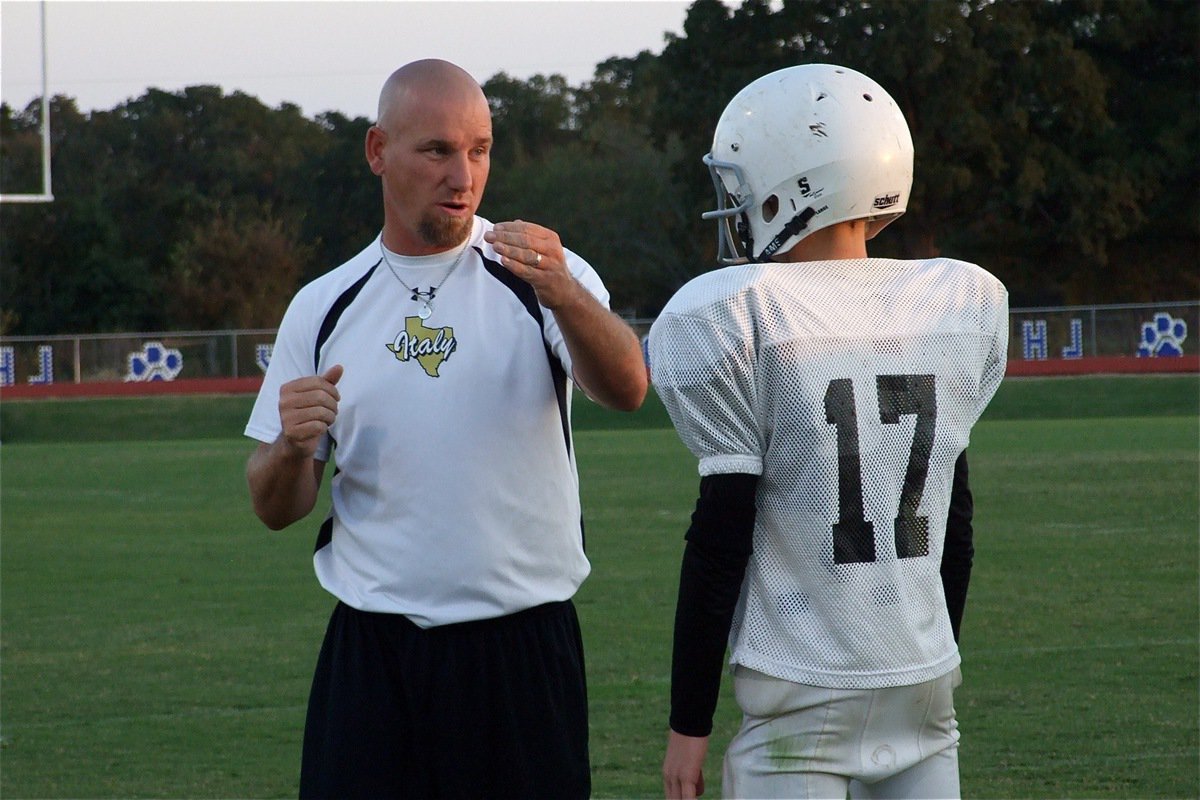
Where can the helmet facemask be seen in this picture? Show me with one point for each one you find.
(733, 209)
(730, 211)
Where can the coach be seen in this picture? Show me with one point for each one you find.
(436, 367)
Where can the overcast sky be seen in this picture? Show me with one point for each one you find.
(321, 56)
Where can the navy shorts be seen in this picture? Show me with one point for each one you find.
(493, 708)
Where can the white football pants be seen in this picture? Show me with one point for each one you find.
(800, 741)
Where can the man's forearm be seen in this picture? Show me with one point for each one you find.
(283, 483)
(605, 352)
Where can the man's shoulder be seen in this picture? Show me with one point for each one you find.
(345, 274)
(316, 297)
(963, 270)
(711, 287)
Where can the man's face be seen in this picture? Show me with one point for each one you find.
(433, 155)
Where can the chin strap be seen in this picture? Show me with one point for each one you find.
(798, 223)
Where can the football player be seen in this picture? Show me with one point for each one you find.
(829, 397)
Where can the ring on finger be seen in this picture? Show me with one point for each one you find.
(538, 261)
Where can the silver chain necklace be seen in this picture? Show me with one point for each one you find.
(424, 298)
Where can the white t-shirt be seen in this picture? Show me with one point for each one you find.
(850, 387)
(455, 495)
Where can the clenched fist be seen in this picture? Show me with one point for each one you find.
(307, 407)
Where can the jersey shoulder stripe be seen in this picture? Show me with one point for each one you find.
(335, 313)
(522, 290)
(528, 298)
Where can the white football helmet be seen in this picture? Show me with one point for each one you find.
(803, 148)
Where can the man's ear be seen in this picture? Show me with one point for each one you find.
(376, 139)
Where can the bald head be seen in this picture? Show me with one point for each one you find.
(430, 77)
(431, 148)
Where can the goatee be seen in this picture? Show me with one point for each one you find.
(444, 231)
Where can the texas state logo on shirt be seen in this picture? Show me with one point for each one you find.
(429, 347)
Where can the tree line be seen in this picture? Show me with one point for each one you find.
(1055, 145)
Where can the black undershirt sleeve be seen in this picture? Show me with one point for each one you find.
(719, 544)
(959, 550)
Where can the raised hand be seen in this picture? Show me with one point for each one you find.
(307, 407)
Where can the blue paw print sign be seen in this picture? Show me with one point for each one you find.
(1162, 336)
(154, 363)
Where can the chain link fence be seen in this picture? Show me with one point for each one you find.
(1156, 330)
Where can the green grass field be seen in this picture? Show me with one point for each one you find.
(157, 641)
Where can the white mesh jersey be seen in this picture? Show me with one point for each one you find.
(850, 387)
(455, 495)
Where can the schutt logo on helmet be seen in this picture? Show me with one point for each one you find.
(887, 200)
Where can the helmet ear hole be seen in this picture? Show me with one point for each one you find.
(770, 208)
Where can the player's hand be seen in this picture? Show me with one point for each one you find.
(307, 407)
(535, 255)
(683, 766)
